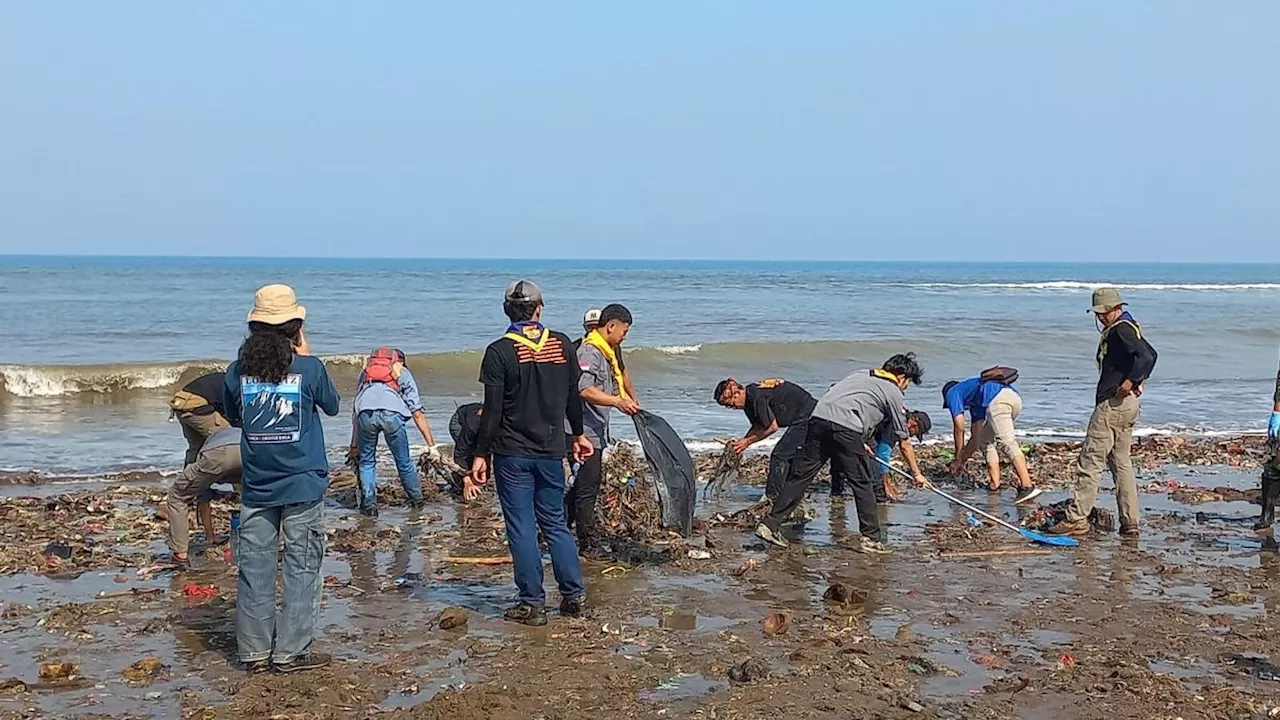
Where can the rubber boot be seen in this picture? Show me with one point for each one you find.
(1270, 489)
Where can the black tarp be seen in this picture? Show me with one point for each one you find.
(671, 469)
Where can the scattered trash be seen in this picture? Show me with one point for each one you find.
(843, 594)
(410, 689)
(13, 685)
(408, 581)
(749, 671)
(58, 671)
(57, 549)
(746, 567)
(777, 624)
(202, 592)
(451, 617)
(144, 671)
(1259, 666)
(913, 706)
(972, 520)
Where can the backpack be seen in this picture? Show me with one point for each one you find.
(383, 366)
(1000, 374)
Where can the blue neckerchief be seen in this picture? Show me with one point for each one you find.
(1126, 316)
(519, 328)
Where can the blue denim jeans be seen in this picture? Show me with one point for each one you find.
(261, 632)
(531, 491)
(391, 425)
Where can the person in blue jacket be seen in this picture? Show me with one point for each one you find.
(918, 425)
(275, 391)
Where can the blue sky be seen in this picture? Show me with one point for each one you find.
(756, 130)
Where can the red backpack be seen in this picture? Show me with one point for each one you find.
(384, 366)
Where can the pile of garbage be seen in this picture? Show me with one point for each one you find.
(70, 533)
(1046, 517)
(628, 505)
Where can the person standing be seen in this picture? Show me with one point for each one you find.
(1125, 361)
(386, 397)
(530, 377)
(1271, 470)
(993, 403)
(770, 405)
(843, 429)
(601, 387)
(275, 391)
(591, 321)
(217, 462)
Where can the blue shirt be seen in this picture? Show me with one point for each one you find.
(282, 443)
(380, 396)
(973, 395)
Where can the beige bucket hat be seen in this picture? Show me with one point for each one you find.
(1106, 299)
(276, 305)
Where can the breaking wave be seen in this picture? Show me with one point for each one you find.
(443, 373)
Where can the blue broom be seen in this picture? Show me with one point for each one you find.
(1032, 535)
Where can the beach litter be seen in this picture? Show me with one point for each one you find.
(1046, 517)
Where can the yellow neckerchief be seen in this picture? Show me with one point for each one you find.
(535, 343)
(885, 375)
(596, 340)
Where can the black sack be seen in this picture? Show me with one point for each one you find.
(671, 470)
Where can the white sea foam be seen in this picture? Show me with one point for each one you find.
(678, 349)
(1078, 286)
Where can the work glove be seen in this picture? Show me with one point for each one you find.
(433, 453)
(1273, 427)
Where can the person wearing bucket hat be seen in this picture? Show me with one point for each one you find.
(531, 378)
(1125, 360)
(275, 391)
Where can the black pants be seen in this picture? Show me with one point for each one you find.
(580, 504)
(783, 454)
(845, 450)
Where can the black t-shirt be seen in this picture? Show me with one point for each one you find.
(528, 395)
(777, 399)
(209, 387)
(1123, 354)
(464, 426)
(577, 345)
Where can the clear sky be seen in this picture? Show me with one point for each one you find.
(719, 128)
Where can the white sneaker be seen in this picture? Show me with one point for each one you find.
(1027, 495)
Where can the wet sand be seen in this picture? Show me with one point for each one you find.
(1113, 629)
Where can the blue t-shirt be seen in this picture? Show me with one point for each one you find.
(973, 395)
(282, 443)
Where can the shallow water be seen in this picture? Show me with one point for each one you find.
(95, 346)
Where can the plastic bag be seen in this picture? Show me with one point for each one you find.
(672, 469)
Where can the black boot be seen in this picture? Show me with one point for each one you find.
(1270, 489)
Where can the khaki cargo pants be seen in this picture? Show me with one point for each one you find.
(997, 433)
(197, 428)
(213, 466)
(1106, 444)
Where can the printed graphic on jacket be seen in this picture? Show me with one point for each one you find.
(271, 411)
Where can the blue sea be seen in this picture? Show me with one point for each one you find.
(93, 347)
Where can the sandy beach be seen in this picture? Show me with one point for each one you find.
(961, 621)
